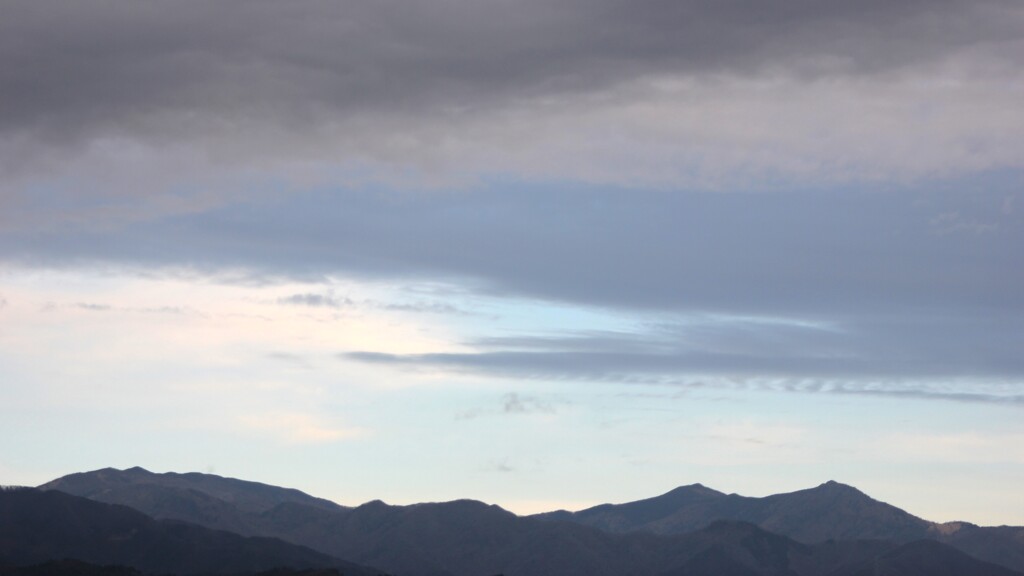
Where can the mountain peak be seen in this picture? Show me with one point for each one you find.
(693, 489)
(834, 486)
(181, 496)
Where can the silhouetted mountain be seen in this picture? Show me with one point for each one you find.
(637, 515)
(675, 533)
(926, 558)
(68, 568)
(1003, 545)
(470, 538)
(205, 499)
(38, 526)
(739, 549)
(79, 568)
(466, 538)
(831, 511)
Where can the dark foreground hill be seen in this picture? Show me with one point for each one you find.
(68, 568)
(38, 526)
(924, 558)
(79, 568)
(467, 538)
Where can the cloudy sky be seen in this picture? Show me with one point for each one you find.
(542, 254)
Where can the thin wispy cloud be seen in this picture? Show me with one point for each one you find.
(317, 301)
(93, 307)
(513, 403)
(289, 358)
(510, 404)
(861, 349)
(331, 301)
(501, 467)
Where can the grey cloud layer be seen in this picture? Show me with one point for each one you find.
(851, 286)
(881, 348)
(70, 67)
(475, 86)
(329, 300)
(803, 254)
(236, 136)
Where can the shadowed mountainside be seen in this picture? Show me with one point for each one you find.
(1003, 545)
(925, 558)
(68, 568)
(38, 526)
(678, 532)
(205, 499)
(79, 568)
(832, 511)
(462, 538)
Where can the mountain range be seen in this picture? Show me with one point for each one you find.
(831, 511)
(38, 526)
(830, 530)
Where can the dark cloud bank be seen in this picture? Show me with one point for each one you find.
(801, 288)
(165, 70)
(812, 254)
(73, 66)
(919, 281)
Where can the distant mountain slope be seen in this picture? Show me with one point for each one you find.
(38, 526)
(79, 568)
(926, 558)
(68, 568)
(641, 514)
(467, 538)
(243, 494)
(205, 499)
(831, 511)
(672, 533)
(1003, 545)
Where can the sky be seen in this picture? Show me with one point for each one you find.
(540, 254)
